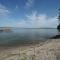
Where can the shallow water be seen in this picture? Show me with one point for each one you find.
(21, 36)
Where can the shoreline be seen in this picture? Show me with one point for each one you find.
(47, 50)
(22, 46)
(31, 43)
(34, 43)
(56, 37)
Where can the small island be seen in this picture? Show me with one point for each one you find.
(5, 30)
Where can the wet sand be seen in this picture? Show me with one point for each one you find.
(49, 50)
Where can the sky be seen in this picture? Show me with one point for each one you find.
(29, 13)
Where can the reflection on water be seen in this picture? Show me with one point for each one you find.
(20, 36)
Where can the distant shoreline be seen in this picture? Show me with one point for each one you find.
(28, 28)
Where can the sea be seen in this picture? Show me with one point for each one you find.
(22, 36)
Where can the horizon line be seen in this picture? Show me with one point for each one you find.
(30, 28)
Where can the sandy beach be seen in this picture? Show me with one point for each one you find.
(49, 50)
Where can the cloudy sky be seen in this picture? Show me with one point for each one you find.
(29, 13)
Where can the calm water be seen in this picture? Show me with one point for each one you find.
(21, 36)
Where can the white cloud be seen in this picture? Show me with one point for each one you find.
(3, 11)
(29, 3)
(36, 20)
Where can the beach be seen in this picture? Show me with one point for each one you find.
(49, 50)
